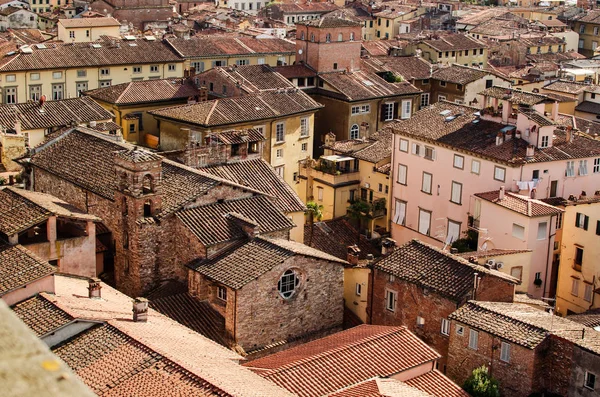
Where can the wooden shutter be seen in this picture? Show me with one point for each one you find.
(586, 222)
(396, 110)
(382, 112)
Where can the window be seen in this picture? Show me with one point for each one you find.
(499, 173)
(426, 182)
(597, 227)
(442, 84)
(242, 62)
(570, 170)
(340, 37)
(456, 196)
(304, 147)
(404, 145)
(10, 95)
(595, 30)
(57, 91)
(81, 86)
(459, 161)
(445, 327)
(416, 149)
(453, 232)
(489, 83)
(319, 193)
(596, 168)
(505, 352)
(355, 110)
(429, 153)
(36, 76)
(351, 36)
(280, 170)
(197, 65)
(460, 330)
(288, 283)
(582, 221)
(55, 75)
(517, 272)
(542, 230)
(153, 68)
(137, 69)
(328, 38)
(575, 287)
(518, 231)
(559, 218)
(400, 212)
(279, 132)
(583, 167)
(578, 256)
(222, 293)
(354, 132)
(475, 166)
(390, 300)
(544, 141)
(388, 111)
(279, 153)
(473, 339)
(406, 109)
(358, 289)
(590, 380)
(105, 83)
(441, 98)
(587, 293)
(424, 221)
(402, 174)
(172, 67)
(424, 100)
(312, 37)
(35, 92)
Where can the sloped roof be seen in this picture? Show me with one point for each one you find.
(88, 22)
(259, 209)
(455, 42)
(41, 315)
(569, 87)
(260, 175)
(53, 113)
(244, 262)
(437, 384)
(145, 91)
(362, 85)
(521, 204)
(459, 74)
(344, 359)
(210, 46)
(429, 267)
(251, 78)
(516, 97)
(329, 21)
(19, 267)
(335, 235)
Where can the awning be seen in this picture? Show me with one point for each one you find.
(334, 158)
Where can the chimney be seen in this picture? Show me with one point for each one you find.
(353, 252)
(570, 134)
(530, 152)
(140, 310)
(518, 134)
(501, 193)
(387, 246)
(94, 288)
(508, 136)
(18, 126)
(555, 111)
(186, 74)
(499, 139)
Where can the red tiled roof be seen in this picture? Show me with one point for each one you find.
(437, 384)
(521, 204)
(211, 46)
(19, 267)
(344, 359)
(381, 388)
(41, 315)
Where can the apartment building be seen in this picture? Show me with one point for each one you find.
(77, 30)
(455, 48)
(588, 28)
(58, 71)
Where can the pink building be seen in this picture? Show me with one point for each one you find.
(447, 153)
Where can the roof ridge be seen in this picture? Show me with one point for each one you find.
(210, 112)
(388, 330)
(497, 312)
(125, 89)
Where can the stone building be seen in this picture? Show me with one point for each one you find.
(419, 286)
(270, 290)
(138, 195)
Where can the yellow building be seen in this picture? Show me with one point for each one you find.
(39, 6)
(351, 170)
(455, 48)
(60, 71)
(284, 116)
(579, 269)
(77, 30)
(130, 103)
(393, 21)
(205, 52)
(588, 28)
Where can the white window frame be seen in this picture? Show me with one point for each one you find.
(222, 293)
(445, 328)
(36, 76)
(596, 168)
(320, 191)
(587, 379)
(473, 339)
(518, 231)
(416, 149)
(583, 170)
(154, 68)
(422, 214)
(459, 162)
(570, 170)
(406, 109)
(404, 147)
(137, 69)
(460, 330)
(304, 127)
(431, 155)
(427, 182)
(424, 99)
(391, 298)
(280, 170)
(279, 129)
(475, 167)
(456, 193)
(542, 230)
(400, 212)
(575, 286)
(354, 131)
(279, 153)
(588, 292)
(505, 352)
(358, 289)
(402, 174)
(388, 110)
(304, 147)
(544, 142)
(11, 78)
(499, 171)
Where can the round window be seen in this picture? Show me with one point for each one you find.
(287, 283)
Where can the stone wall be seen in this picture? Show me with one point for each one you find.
(263, 316)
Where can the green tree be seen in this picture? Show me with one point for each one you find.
(358, 211)
(314, 211)
(481, 384)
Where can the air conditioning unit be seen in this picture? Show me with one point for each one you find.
(499, 265)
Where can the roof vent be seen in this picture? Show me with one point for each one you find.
(96, 45)
(129, 38)
(149, 38)
(26, 49)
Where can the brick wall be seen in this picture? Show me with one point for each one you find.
(263, 316)
(321, 55)
(516, 378)
(218, 80)
(494, 289)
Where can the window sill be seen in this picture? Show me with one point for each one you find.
(279, 142)
(422, 191)
(304, 136)
(455, 202)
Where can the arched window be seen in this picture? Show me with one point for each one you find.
(351, 36)
(328, 38)
(288, 283)
(354, 132)
(312, 37)
(302, 36)
(340, 37)
(147, 185)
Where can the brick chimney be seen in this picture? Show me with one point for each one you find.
(140, 310)
(353, 253)
(94, 288)
(501, 193)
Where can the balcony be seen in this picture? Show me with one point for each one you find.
(336, 169)
(370, 209)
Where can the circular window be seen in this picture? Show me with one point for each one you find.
(287, 283)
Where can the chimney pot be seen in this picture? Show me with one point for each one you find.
(501, 193)
(140, 310)
(94, 288)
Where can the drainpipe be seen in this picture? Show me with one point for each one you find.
(593, 294)
(372, 277)
(550, 235)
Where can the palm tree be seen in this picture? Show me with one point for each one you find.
(314, 211)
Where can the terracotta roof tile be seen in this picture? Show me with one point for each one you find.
(569, 87)
(430, 267)
(516, 97)
(378, 150)
(41, 315)
(203, 46)
(260, 175)
(251, 78)
(297, 70)
(492, 252)
(19, 267)
(344, 359)
(258, 208)
(53, 114)
(522, 204)
(588, 107)
(88, 22)
(380, 388)
(145, 91)
(335, 235)
(330, 22)
(459, 74)
(437, 384)
(455, 42)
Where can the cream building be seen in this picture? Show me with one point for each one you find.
(77, 30)
(58, 71)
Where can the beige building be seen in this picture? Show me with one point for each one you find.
(77, 30)
(455, 48)
(58, 71)
(579, 271)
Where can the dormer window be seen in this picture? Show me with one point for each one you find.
(544, 143)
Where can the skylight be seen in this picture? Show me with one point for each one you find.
(445, 112)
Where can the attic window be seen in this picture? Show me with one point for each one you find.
(288, 283)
